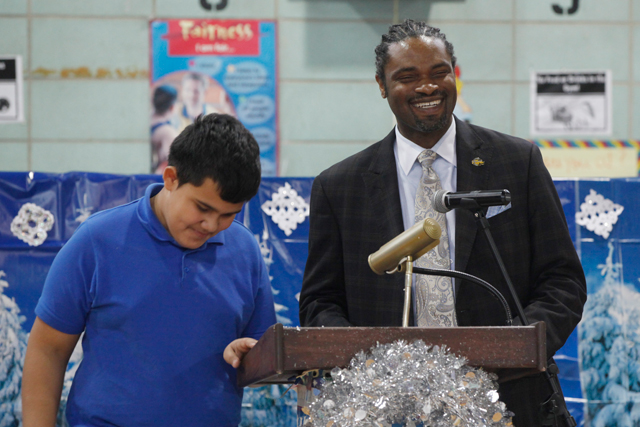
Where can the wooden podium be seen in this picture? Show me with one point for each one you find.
(283, 353)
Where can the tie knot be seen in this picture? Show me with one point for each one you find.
(426, 158)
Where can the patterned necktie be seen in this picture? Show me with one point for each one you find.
(434, 294)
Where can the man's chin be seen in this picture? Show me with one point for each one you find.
(432, 125)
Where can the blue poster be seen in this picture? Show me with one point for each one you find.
(213, 66)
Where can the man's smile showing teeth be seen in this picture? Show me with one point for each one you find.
(428, 104)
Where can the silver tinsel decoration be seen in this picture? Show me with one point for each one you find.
(412, 385)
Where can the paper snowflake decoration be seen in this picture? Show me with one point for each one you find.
(32, 224)
(598, 214)
(286, 208)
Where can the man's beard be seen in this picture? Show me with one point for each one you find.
(430, 125)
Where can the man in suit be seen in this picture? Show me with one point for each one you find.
(366, 200)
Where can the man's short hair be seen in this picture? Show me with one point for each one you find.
(219, 147)
(163, 98)
(408, 29)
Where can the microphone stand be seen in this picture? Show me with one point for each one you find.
(550, 411)
(407, 265)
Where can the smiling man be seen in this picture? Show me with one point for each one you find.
(166, 289)
(366, 200)
(419, 83)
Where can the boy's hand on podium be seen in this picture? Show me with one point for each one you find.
(236, 350)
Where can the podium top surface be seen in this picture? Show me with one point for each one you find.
(283, 353)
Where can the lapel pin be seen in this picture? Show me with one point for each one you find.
(477, 161)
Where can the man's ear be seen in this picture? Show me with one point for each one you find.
(170, 178)
(383, 92)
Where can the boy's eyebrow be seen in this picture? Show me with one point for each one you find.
(205, 205)
(200, 202)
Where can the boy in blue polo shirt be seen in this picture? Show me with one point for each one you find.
(166, 289)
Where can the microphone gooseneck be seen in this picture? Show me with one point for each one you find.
(473, 279)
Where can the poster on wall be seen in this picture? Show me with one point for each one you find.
(208, 66)
(11, 101)
(571, 103)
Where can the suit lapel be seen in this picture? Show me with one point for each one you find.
(471, 175)
(381, 186)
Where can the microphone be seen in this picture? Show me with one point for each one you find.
(444, 201)
(415, 242)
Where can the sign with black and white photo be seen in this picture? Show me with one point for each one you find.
(11, 110)
(571, 103)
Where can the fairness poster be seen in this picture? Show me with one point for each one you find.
(571, 103)
(203, 66)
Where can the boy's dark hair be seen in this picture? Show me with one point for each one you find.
(163, 98)
(408, 29)
(219, 147)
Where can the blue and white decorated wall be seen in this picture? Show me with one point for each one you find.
(600, 364)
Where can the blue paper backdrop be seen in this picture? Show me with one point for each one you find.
(607, 339)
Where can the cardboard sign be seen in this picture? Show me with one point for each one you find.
(11, 101)
(571, 103)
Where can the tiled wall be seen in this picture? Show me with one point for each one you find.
(86, 71)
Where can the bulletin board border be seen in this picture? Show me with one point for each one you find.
(590, 143)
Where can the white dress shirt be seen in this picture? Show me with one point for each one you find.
(410, 171)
